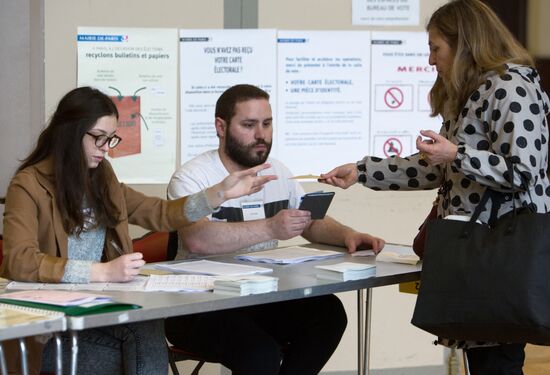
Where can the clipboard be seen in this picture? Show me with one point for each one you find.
(317, 203)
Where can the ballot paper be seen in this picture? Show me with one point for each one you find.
(208, 267)
(306, 177)
(345, 271)
(245, 285)
(180, 283)
(289, 255)
(397, 254)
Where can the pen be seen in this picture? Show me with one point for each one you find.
(117, 248)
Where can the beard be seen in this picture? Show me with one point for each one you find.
(245, 155)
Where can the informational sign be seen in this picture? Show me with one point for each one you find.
(210, 62)
(324, 94)
(137, 68)
(385, 12)
(401, 83)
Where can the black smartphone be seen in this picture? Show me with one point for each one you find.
(317, 203)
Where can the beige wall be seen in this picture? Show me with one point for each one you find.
(538, 28)
(325, 15)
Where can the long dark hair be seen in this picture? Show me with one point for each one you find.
(61, 141)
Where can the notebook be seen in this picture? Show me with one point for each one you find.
(12, 315)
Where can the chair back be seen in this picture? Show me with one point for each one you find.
(153, 246)
(172, 249)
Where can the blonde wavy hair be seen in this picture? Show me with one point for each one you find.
(481, 43)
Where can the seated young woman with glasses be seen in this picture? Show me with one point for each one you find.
(66, 220)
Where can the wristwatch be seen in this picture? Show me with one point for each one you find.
(361, 172)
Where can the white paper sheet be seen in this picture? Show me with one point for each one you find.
(289, 255)
(208, 267)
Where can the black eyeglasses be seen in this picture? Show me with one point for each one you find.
(102, 139)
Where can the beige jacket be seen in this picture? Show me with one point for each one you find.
(35, 243)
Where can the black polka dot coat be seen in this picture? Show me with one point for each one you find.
(505, 118)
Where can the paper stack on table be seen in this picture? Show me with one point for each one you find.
(208, 267)
(69, 302)
(397, 254)
(56, 297)
(245, 285)
(346, 271)
(180, 283)
(289, 255)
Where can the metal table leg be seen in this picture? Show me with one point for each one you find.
(366, 339)
(360, 321)
(74, 351)
(3, 365)
(58, 354)
(23, 350)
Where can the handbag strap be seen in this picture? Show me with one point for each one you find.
(496, 200)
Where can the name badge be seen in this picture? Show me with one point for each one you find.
(253, 210)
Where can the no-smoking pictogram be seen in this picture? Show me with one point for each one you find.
(393, 97)
(392, 147)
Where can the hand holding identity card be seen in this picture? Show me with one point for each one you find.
(317, 203)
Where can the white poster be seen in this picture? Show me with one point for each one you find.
(324, 89)
(401, 82)
(210, 62)
(137, 68)
(385, 12)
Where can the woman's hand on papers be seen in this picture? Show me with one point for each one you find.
(343, 176)
(238, 184)
(361, 241)
(122, 269)
(288, 223)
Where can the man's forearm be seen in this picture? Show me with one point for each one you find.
(208, 237)
(327, 231)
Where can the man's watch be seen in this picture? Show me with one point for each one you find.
(361, 172)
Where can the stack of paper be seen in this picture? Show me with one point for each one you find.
(390, 256)
(397, 254)
(346, 271)
(59, 298)
(208, 267)
(245, 285)
(289, 255)
(180, 283)
(68, 302)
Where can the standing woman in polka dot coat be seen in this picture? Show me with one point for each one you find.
(494, 112)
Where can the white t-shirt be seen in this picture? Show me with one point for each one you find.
(207, 169)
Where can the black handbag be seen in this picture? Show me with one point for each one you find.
(487, 283)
